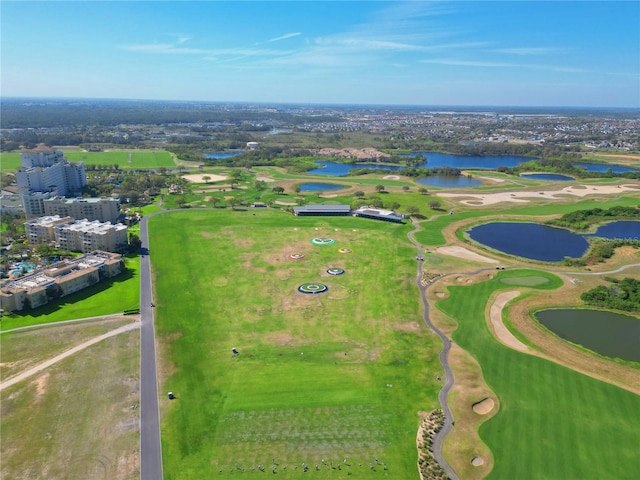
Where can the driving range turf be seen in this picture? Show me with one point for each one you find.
(553, 422)
(334, 376)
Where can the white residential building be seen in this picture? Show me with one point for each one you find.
(86, 236)
(41, 230)
(46, 170)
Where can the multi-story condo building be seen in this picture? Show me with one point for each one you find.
(41, 230)
(104, 209)
(77, 235)
(58, 280)
(86, 236)
(48, 171)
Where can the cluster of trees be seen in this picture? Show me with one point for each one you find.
(619, 295)
(583, 219)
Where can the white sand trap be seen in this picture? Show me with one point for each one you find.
(391, 177)
(461, 252)
(483, 199)
(501, 332)
(483, 406)
(477, 461)
(440, 294)
(198, 177)
(497, 180)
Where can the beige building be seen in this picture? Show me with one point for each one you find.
(104, 209)
(77, 235)
(41, 230)
(58, 280)
(87, 236)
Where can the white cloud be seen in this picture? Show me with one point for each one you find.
(284, 37)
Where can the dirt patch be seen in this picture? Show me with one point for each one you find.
(264, 179)
(484, 406)
(282, 339)
(41, 384)
(461, 252)
(408, 327)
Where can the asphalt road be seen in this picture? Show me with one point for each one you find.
(150, 446)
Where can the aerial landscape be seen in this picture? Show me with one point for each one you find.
(320, 240)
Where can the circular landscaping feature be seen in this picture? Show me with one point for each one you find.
(345, 250)
(296, 256)
(335, 271)
(312, 288)
(322, 241)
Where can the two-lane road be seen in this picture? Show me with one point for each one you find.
(150, 446)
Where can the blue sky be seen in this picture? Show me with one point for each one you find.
(540, 53)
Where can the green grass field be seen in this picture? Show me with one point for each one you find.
(139, 159)
(113, 295)
(553, 422)
(336, 375)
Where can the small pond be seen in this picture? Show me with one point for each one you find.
(318, 187)
(625, 229)
(219, 155)
(530, 240)
(554, 177)
(607, 333)
(449, 181)
(545, 243)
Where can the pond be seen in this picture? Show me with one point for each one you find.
(555, 177)
(625, 229)
(542, 242)
(489, 162)
(339, 169)
(318, 187)
(449, 181)
(607, 333)
(219, 155)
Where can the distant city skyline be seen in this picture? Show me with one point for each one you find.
(503, 53)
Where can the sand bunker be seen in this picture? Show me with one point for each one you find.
(391, 177)
(461, 252)
(483, 406)
(198, 177)
(482, 199)
(265, 179)
(501, 332)
(477, 461)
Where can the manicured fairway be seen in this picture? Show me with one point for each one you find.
(553, 423)
(334, 375)
(124, 158)
(139, 159)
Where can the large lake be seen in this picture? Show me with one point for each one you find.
(607, 333)
(435, 160)
(541, 242)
